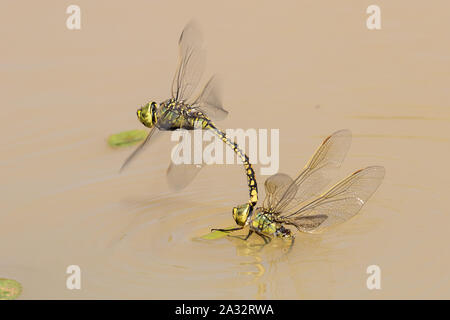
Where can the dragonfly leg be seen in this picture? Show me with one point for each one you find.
(228, 230)
(266, 239)
(291, 245)
(249, 234)
(246, 237)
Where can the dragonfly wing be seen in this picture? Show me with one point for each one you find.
(276, 187)
(139, 149)
(191, 63)
(309, 223)
(210, 100)
(180, 175)
(341, 202)
(319, 171)
(180, 171)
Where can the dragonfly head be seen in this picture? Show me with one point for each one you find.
(147, 114)
(241, 213)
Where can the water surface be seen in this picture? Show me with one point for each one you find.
(306, 68)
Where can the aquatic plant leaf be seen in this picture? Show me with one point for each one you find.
(213, 235)
(9, 289)
(127, 138)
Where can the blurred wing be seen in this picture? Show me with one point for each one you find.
(139, 149)
(276, 187)
(180, 175)
(340, 203)
(191, 64)
(318, 173)
(210, 100)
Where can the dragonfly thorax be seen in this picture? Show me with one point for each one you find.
(147, 114)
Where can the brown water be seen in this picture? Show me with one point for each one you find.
(305, 67)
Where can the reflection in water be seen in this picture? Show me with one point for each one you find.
(254, 250)
(272, 262)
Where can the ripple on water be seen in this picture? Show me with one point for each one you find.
(148, 242)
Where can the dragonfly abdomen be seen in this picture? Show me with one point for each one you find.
(178, 115)
(251, 180)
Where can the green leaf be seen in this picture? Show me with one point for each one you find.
(9, 289)
(213, 235)
(127, 138)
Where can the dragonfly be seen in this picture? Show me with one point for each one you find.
(298, 202)
(181, 111)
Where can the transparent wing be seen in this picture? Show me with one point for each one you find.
(191, 63)
(318, 173)
(180, 175)
(139, 149)
(340, 203)
(277, 186)
(210, 100)
(309, 223)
